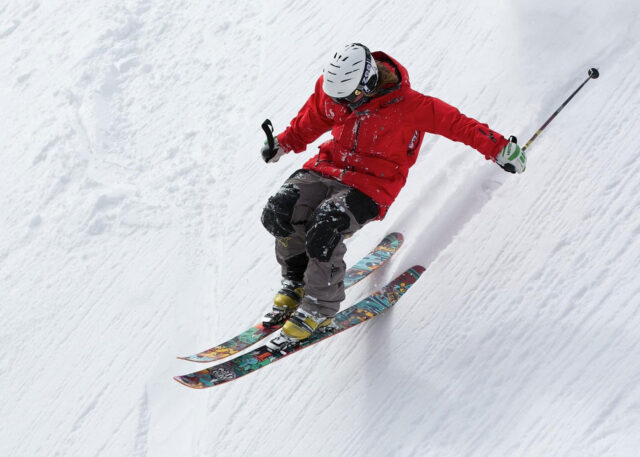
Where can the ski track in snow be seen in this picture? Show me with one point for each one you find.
(131, 189)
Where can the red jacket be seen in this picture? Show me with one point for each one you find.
(373, 147)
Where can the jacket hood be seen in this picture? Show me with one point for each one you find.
(393, 92)
(384, 57)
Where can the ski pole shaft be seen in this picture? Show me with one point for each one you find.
(593, 74)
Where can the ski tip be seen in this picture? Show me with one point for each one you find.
(179, 379)
(418, 269)
(184, 357)
(198, 358)
(182, 381)
(190, 358)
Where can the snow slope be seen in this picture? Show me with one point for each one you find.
(131, 190)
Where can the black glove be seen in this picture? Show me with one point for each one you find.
(272, 155)
(271, 151)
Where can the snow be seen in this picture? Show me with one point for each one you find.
(131, 188)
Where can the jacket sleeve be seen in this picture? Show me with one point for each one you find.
(308, 125)
(432, 115)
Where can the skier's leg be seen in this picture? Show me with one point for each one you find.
(285, 216)
(345, 211)
(337, 217)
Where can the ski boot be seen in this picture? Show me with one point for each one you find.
(285, 303)
(299, 327)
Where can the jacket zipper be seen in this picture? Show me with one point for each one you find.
(353, 149)
(355, 140)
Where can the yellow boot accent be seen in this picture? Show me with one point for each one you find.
(287, 303)
(294, 331)
(300, 327)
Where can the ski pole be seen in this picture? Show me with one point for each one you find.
(593, 74)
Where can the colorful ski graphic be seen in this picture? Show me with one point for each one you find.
(362, 311)
(367, 265)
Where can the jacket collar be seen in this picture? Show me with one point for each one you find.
(391, 95)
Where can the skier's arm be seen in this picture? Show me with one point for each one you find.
(308, 125)
(432, 115)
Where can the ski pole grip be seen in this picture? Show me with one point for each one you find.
(267, 126)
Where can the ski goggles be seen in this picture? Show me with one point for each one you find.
(362, 91)
(353, 97)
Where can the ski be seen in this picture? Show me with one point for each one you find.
(367, 265)
(364, 310)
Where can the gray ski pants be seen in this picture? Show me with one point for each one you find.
(310, 216)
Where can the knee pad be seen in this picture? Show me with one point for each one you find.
(324, 230)
(276, 216)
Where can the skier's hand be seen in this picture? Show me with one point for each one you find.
(511, 158)
(272, 155)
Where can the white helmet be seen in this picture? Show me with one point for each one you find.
(350, 69)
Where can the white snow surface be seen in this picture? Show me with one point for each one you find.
(131, 189)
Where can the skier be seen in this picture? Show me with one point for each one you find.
(378, 123)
